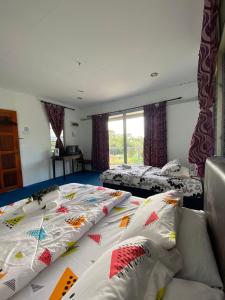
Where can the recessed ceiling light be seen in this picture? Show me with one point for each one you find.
(79, 98)
(78, 63)
(154, 74)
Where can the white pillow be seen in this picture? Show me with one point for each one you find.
(194, 245)
(183, 173)
(156, 219)
(191, 290)
(171, 166)
(132, 270)
(125, 166)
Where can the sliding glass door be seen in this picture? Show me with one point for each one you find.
(126, 138)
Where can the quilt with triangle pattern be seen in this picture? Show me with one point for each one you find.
(30, 243)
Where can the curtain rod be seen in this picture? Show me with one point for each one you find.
(58, 105)
(124, 110)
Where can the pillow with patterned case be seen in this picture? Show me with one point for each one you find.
(131, 270)
(156, 219)
(171, 166)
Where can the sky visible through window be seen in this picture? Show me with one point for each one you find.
(136, 126)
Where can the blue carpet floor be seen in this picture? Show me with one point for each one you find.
(87, 177)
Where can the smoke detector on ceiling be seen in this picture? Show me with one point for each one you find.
(154, 74)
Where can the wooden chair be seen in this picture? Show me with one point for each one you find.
(83, 162)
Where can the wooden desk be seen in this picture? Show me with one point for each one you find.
(64, 158)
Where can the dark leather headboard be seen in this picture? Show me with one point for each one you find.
(215, 207)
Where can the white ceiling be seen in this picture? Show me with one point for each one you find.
(118, 42)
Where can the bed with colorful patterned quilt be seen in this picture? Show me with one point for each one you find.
(97, 244)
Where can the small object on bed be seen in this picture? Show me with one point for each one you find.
(42, 194)
(47, 198)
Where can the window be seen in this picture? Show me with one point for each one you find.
(53, 137)
(126, 138)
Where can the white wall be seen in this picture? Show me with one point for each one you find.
(72, 133)
(181, 121)
(181, 116)
(35, 147)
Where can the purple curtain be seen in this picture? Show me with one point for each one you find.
(202, 143)
(100, 142)
(55, 115)
(155, 140)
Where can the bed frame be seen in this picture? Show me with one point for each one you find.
(215, 207)
(195, 202)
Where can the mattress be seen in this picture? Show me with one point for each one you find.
(54, 281)
(149, 178)
(125, 176)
